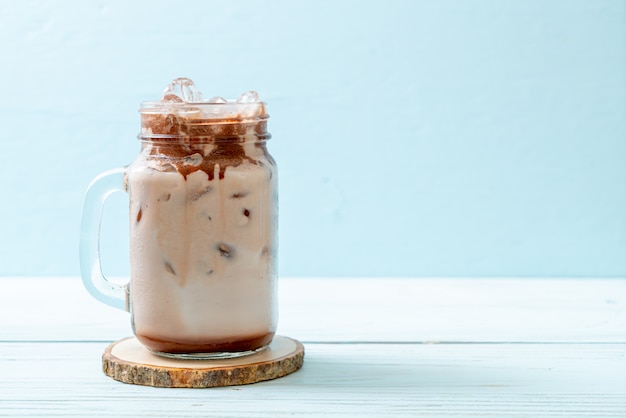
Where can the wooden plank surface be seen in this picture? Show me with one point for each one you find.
(374, 347)
(338, 380)
(337, 310)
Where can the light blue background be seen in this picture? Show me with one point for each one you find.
(414, 138)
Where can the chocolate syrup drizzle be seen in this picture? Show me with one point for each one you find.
(178, 137)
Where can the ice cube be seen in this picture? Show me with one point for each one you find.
(217, 99)
(182, 90)
(193, 159)
(249, 97)
(171, 98)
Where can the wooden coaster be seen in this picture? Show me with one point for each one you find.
(129, 362)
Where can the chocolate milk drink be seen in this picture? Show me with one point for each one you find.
(203, 220)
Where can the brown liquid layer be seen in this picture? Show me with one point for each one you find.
(199, 130)
(207, 346)
(226, 154)
(179, 137)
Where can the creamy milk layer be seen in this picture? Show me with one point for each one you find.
(202, 231)
(201, 251)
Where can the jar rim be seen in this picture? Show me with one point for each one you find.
(165, 139)
(227, 112)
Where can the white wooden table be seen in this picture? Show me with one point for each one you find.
(379, 347)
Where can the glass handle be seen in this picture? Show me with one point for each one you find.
(103, 186)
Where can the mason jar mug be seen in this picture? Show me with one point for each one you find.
(203, 226)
